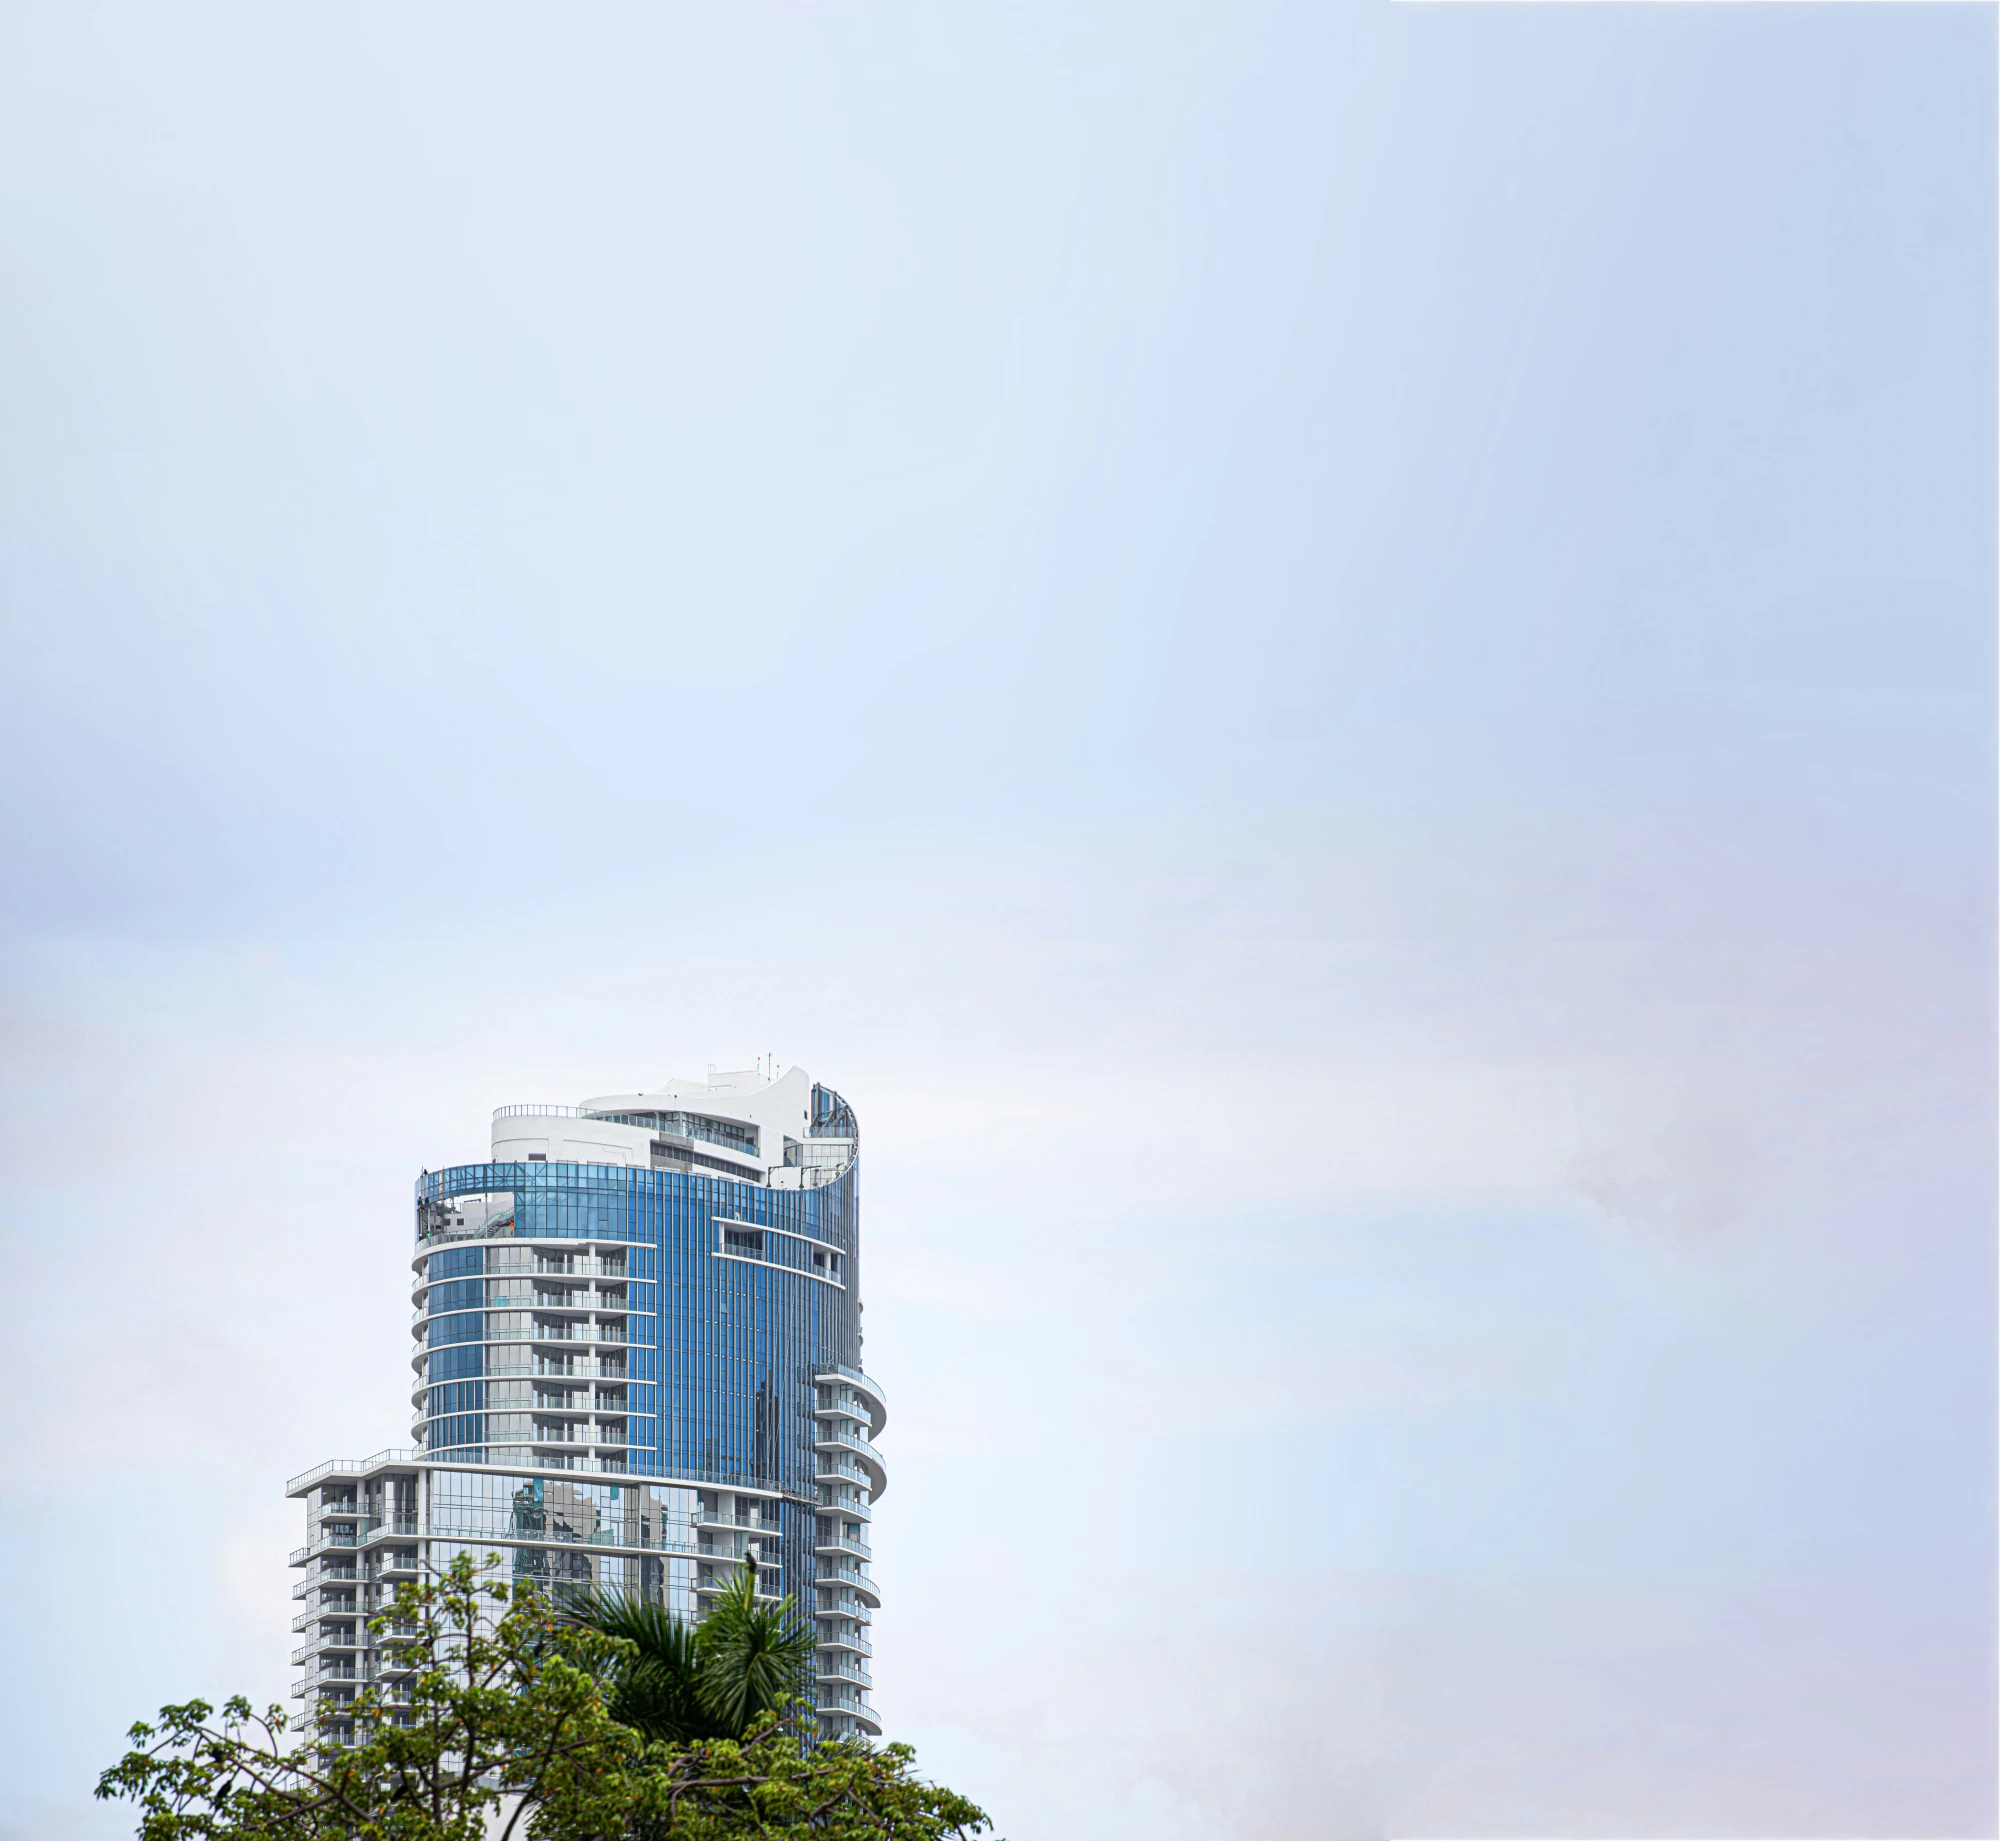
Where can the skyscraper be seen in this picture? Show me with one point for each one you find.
(636, 1363)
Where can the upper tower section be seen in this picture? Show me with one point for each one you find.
(785, 1132)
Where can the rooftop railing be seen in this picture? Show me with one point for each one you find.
(690, 1127)
(347, 1466)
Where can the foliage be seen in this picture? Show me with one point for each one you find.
(503, 1714)
(768, 1784)
(744, 1660)
(503, 1733)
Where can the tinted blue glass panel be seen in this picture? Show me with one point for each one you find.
(468, 1326)
(456, 1261)
(449, 1364)
(457, 1397)
(461, 1294)
(467, 1430)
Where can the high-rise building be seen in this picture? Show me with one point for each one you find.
(637, 1364)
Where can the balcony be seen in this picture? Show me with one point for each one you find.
(565, 1332)
(300, 1555)
(323, 1609)
(735, 1518)
(853, 1640)
(317, 1611)
(851, 1577)
(519, 1454)
(838, 1442)
(539, 1262)
(711, 1584)
(604, 1368)
(539, 1361)
(348, 1639)
(580, 1266)
(735, 1546)
(849, 1701)
(835, 1375)
(838, 1546)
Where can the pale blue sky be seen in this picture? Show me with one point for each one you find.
(1338, 660)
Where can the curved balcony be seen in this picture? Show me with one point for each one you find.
(842, 1547)
(860, 1615)
(836, 1374)
(854, 1579)
(849, 1702)
(579, 1299)
(848, 1639)
(837, 1441)
(833, 1469)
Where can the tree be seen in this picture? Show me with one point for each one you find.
(744, 1660)
(502, 1732)
(502, 1712)
(768, 1784)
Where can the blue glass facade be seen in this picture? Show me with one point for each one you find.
(645, 1374)
(734, 1298)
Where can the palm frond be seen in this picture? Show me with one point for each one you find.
(751, 1656)
(658, 1690)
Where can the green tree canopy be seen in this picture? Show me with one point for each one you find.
(502, 1732)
